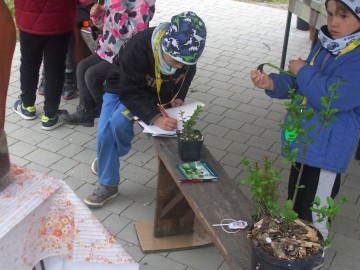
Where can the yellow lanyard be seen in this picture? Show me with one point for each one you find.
(347, 49)
(157, 70)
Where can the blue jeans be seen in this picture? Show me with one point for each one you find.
(115, 133)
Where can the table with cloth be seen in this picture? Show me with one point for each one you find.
(41, 218)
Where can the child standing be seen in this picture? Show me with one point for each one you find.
(119, 20)
(70, 89)
(336, 58)
(168, 52)
(45, 28)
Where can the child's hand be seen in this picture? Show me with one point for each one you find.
(177, 103)
(95, 10)
(166, 123)
(295, 65)
(261, 80)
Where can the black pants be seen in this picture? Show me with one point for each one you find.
(91, 74)
(33, 48)
(305, 196)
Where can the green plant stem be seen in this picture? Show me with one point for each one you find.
(280, 69)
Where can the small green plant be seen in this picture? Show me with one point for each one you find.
(188, 132)
(264, 179)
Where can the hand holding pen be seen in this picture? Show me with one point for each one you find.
(165, 122)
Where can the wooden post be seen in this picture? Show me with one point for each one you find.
(8, 39)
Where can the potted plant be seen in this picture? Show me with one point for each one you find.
(279, 239)
(190, 140)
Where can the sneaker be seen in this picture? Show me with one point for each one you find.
(100, 196)
(28, 113)
(94, 168)
(318, 264)
(41, 87)
(51, 123)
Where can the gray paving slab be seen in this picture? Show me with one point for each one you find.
(238, 120)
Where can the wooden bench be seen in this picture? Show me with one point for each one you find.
(185, 212)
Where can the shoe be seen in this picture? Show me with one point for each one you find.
(318, 264)
(51, 123)
(69, 90)
(28, 113)
(100, 196)
(80, 117)
(41, 87)
(94, 168)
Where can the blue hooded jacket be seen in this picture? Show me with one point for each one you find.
(333, 148)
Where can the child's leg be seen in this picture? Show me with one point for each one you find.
(85, 114)
(31, 47)
(94, 78)
(305, 196)
(69, 91)
(54, 64)
(329, 185)
(41, 87)
(317, 182)
(83, 72)
(115, 133)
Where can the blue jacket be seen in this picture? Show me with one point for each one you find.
(333, 148)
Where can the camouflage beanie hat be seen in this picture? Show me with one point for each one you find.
(184, 39)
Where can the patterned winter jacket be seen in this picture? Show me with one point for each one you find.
(46, 17)
(119, 20)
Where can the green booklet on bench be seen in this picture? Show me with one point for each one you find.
(197, 171)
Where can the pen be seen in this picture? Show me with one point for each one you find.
(163, 111)
(196, 180)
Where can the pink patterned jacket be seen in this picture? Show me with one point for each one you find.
(119, 20)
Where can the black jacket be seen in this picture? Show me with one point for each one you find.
(137, 85)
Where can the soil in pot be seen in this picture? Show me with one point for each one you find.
(277, 247)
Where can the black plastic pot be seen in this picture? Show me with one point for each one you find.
(261, 260)
(189, 151)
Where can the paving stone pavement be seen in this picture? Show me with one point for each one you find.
(238, 120)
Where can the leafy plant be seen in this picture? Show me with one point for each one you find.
(282, 220)
(188, 132)
(264, 181)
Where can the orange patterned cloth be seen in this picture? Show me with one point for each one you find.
(40, 216)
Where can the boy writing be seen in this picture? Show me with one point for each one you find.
(155, 67)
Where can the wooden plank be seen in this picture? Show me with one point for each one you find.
(212, 202)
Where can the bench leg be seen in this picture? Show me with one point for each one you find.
(175, 225)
